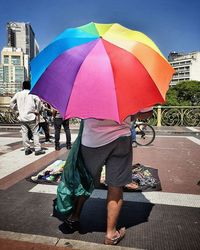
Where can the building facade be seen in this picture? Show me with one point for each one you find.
(13, 70)
(21, 35)
(21, 48)
(187, 66)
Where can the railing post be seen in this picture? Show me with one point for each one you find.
(159, 116)
(182, 117)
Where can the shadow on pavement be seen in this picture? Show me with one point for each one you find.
(93, 217)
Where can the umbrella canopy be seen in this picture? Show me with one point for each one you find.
(102, 71)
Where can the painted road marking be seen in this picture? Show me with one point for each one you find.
(16, 159)
(164, 198)
(194, 139)
(194, 129)
(8, 140)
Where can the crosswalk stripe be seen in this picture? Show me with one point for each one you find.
(164, 198)
(8, 140)
(16, 159)
(193, 129)
(193, 139)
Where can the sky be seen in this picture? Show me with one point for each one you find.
(174, 25)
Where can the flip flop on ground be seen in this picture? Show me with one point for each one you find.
(116, 239)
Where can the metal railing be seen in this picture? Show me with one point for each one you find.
(8, 116)
(176, 116)
(162, 116)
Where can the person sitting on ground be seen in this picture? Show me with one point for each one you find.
(28, 106)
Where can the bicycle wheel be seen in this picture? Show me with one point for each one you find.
(145, 134)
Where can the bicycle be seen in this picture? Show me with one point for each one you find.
(143, 134)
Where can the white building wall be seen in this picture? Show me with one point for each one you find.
(195, 69)
(26, 65)
(187, 67)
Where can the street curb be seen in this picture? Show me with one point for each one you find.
(57, 242)
(167, 132)
(159, 131)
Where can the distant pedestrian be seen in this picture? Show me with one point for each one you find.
(28, 106)
(49, 113)
(43, 121)
(58, 122)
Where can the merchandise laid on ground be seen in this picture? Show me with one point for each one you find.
(143, 178)
(160, 211)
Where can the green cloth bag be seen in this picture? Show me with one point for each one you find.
(75, 180)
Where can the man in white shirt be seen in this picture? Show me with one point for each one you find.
(28, 106)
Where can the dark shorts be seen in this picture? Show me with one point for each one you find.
(116, 156)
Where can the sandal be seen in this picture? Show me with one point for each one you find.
(115, 240)
(132, 186)
(72, 224)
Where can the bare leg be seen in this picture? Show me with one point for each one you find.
(114, 204)
(75, 216)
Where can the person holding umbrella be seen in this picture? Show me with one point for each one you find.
(106, 142)
(101, 73)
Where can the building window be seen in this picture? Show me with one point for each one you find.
(1, 74)
(6, 59)
(19, 74)
(175, 64)
(6, 74)
(15, 60)
(187, 62)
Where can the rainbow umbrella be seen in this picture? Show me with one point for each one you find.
(102, 71)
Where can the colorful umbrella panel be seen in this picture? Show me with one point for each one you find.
(102, 71)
